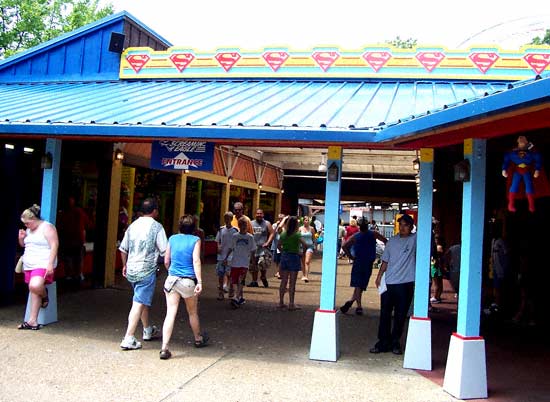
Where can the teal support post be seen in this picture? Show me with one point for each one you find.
(466, 369)
(325, 344)
(50, 182)
(473, 217)
(418, 352)
(332, 215)
(424, 234)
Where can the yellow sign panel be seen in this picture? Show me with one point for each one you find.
(468, 146)
(427, 155)
(334, 152)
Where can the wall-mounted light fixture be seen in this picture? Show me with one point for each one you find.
(28, 150)
(230, 179)
(260, 186)
(119, 155)
(323, 165)
(9, 146)
(416, 164)
(332, 172)
(282, 191)
(46, 161)
(185, 171)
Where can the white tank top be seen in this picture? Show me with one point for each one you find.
(37, 249)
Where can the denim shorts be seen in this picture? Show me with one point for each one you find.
(222, 269)
(145, 289)
(291, 262)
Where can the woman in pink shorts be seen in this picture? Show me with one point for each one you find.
(39, 260)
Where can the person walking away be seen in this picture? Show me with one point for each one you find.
(242, 250)
(263, 237)
(399, 265)
(143, 242)
(275, 252)
(223, 270)
(351, 229)
(183, 261)
(289, 244)
(307, 232)
(364, 245)
(341, 235)
(39, 261)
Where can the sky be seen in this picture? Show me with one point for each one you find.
(348, 24)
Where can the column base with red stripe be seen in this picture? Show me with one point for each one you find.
(325, 339)
(418, 350)
(466, 371)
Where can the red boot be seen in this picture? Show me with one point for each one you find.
(531, 201)
(511, 206)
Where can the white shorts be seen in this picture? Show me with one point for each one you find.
(184, 286)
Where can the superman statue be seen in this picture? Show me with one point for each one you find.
(523, 164)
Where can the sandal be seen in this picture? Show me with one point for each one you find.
(26, 325)
(347, 305)
(294, 308)
(45, 300)
(203, 342)
(165, 354)
(358, 311)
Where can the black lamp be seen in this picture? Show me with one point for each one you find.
(46, 161)
(332, 172)
(462, 171)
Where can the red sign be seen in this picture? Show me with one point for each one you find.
(484, 61)
(228, 60)
(430, 60)
(325, 59)
(137, 61)
(377, 60)
(275, 59)
(181, 60)
(537, 61)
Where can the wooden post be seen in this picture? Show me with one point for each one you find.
(112, 223)
(226, 192)
(179, 200)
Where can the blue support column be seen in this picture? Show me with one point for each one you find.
(418, 351)
(466, 373)
(325, 336)
(50, 182)
(48, 212)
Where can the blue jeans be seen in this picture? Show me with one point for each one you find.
(145, 289)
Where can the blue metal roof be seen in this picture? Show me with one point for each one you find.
(296, 105)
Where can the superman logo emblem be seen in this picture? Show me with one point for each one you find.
(484, 61)
(325, 59)
(275, 59)
(430, 60)
(137, 61)
(376, 60)
(537, 61)
(228, 60)
(181, 60)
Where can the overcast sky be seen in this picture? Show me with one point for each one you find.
(302, 24)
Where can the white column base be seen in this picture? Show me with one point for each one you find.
(325, 339)
(466, 372)
(49, 314)
(418, 350)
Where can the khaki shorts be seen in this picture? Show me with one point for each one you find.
(184, 286)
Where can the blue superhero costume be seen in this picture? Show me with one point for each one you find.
(521, 161)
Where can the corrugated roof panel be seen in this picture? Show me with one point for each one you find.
(252, 103)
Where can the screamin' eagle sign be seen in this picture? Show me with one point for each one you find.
(182, 155)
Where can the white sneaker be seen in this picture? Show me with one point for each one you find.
(150, 332)
(130, 343)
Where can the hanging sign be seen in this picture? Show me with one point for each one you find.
(182, 155)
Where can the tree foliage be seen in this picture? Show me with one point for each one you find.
(27, 23)
(402, 43)
(542, 41)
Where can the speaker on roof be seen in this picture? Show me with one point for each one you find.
(116, 44)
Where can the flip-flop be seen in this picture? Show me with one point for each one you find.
(26, 325)
(295, 308)
(45, 300)
(281, 306)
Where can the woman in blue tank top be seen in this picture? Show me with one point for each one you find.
(183, 261)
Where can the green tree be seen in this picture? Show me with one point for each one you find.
(402, 43)
(542, 41)
(27, 23)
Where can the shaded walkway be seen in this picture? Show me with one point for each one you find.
(257, 353)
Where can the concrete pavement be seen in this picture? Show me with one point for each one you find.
(257, 353)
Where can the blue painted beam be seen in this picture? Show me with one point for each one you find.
(424, 234)
(471, 257)
(50, 182)
(211, 133)
(332, 215)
